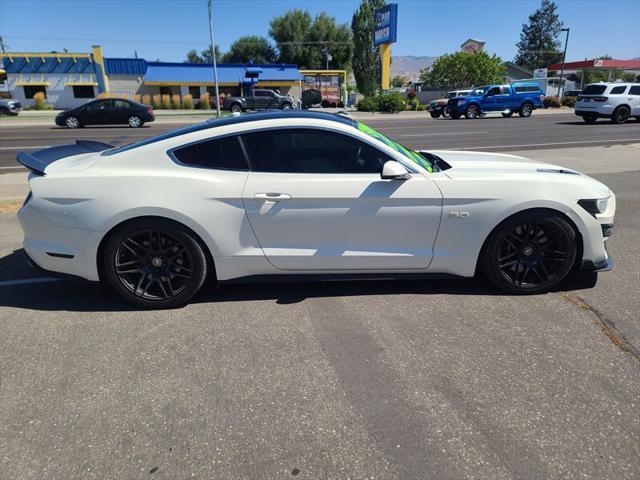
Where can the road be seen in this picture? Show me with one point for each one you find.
(387, 380)
(490, 134)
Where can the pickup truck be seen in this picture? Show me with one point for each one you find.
(258, 99)
(520, 97)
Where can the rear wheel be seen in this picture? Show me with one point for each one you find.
(236, 108)
(154, 263)
(620, 115)
(472, 112)
(72, 122)
(590, 118)
(135, 121)
(435, 114)
(526, 110)
(530, 253)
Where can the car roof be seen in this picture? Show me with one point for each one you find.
(236, 120)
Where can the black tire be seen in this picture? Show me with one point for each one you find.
(590, 118)
(637, 118)
(472, 112)
(620, 115)
(236, 108)
(526, 109)
(435, 114)
(455, 116)
(287, 106)
(530, 252)
(154, 263)
(72, 122)
(135, 121)
(507, 114)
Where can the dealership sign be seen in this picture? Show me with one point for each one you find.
(385, 24)
(540, 73)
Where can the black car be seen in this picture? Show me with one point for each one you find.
(258, 99)
(111, 111)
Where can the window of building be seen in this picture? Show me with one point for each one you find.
(223, 154)
(618, 90)
(31, 90)
(311, 151)
(194, 92)
(83, 91)
(165, 91)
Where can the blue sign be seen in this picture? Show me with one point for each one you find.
(385, 24)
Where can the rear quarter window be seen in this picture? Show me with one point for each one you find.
(527, 88)
(594, 90)
(618, 90)
(218, 154)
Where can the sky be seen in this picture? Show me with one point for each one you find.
(167, 29)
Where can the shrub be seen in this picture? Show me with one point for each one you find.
(422, 108)
(413, 104)
(205, 104)
(38, 101)
(391, 102)
(368, 104)
(551, 102)
(165, 102)
(156, 100)
(187, 102)
(326, 103)
(137, 98)
(569, 101)
(146, 100)
(176, 102)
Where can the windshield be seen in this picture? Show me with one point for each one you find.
(412, 155)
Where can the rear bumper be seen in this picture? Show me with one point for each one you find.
(582, 113)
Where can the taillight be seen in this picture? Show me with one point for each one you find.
(600, 99)
(149, 109)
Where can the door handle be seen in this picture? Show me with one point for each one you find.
(272, 197)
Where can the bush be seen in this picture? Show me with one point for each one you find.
(38, 101)
(391, 102)
(413, 104)
(569, 101)
(176, 102)
(165, 102)
(156, 100)
(368, 104)
(146, 100)
(422, 108)
(551, 102)
(187, 102)
(205, 104)
(325, 103)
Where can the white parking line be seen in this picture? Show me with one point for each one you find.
(28, 281)
(439, 134)
(30, 147)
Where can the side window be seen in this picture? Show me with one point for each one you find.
(258, 93)
(635, 90)
(505, 90)
(222, 154)
(121, 105)
(618, 90)
(311, 151)
(94, 106)
(493, 91)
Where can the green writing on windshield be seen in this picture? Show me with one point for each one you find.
(415, 157)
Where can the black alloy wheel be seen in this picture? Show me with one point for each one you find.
(472, 112)
(154, 264)
(620, 115)
(590, 118)
(530, 253)
(526, 110)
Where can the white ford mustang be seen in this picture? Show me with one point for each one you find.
(300, 193)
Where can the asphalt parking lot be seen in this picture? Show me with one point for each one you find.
(388, 379)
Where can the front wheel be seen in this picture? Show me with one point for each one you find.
(472, 112)
(72, 122)
(435, 114)
(154, 263)
(235, 108)
(135, 121)
(530, 253)
(286, 106)
(526, 110)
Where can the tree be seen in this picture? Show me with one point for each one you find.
(539, 46)
(307, 41)
(366, 56)
(399, 81)
(464, 69)
(203, 57)
(250, 48)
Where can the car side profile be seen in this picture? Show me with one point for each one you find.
(616, 101)
(521, 98)
(304, 195)
(110, 111)
(258, 99)
(438, 106)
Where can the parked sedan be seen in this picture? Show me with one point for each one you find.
(304, 194)
(112, 111)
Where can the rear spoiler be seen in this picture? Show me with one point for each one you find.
(38, 161)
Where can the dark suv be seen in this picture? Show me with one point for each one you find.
(258, 99)
(110, 111)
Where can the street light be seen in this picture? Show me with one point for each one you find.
(213, 56)
(564, 56)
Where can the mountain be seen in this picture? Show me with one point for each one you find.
(410, 66)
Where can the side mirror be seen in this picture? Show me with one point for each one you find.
(392, 170)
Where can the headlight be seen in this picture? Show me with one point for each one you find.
(594, 205)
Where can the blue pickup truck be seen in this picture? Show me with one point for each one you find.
(521, 97)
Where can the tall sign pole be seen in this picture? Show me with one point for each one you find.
(213, 57)
(384, 32)
(564, 57)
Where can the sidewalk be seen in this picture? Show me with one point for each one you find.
(589, 160)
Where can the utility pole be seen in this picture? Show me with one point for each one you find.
(213, 56)
(564, 57)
